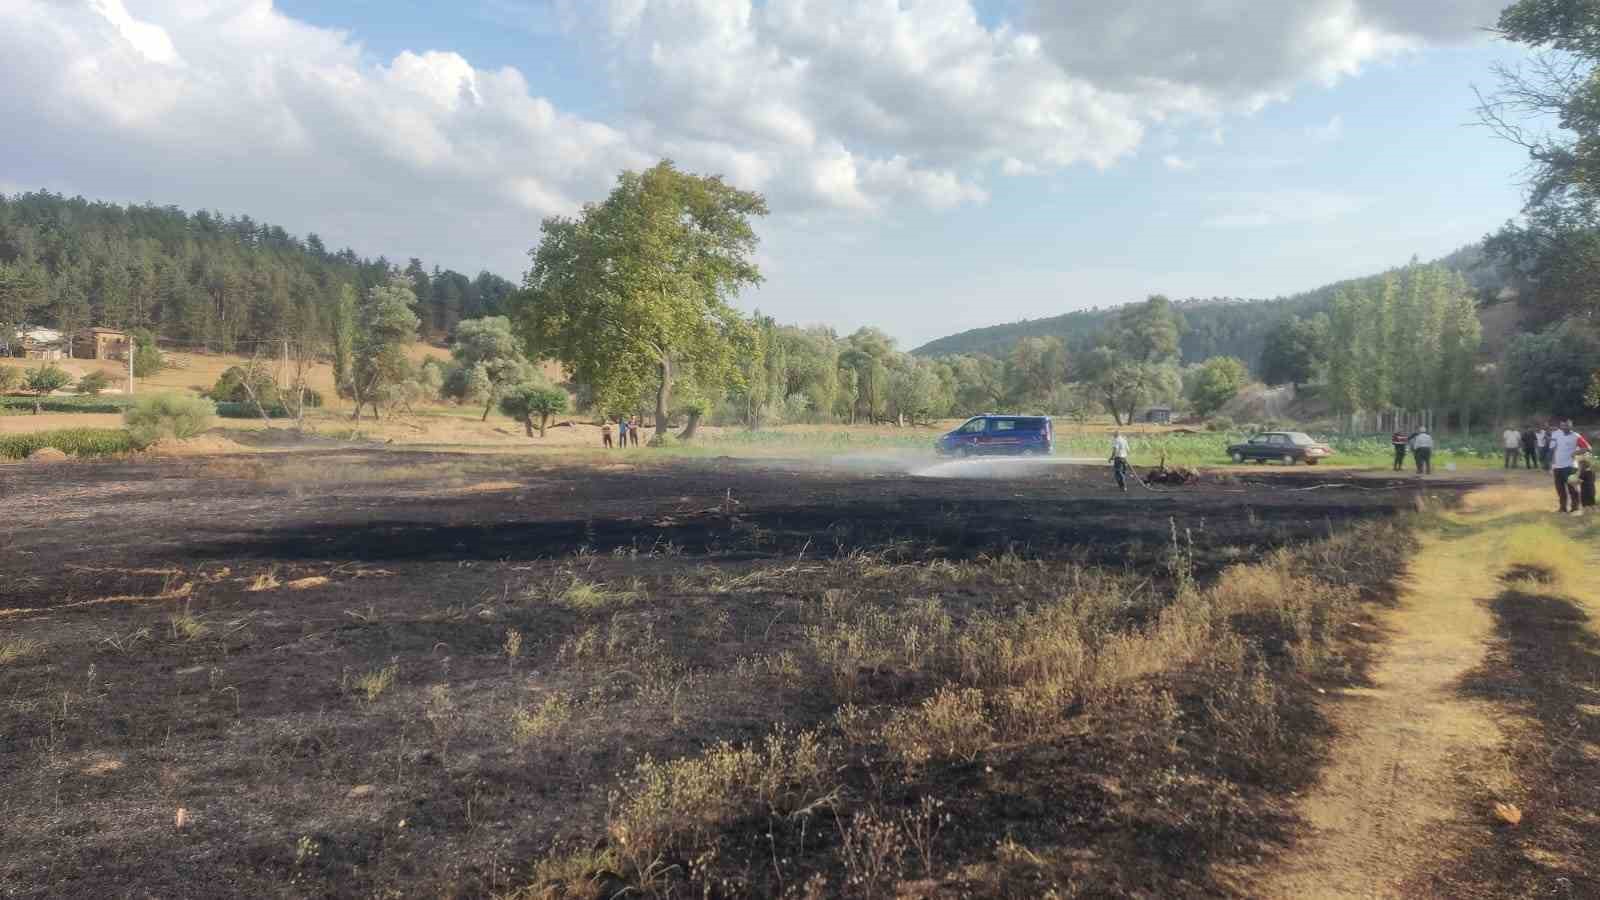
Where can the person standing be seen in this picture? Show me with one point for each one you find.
(622, 432)
(1563, 447)
(1422, 451)
(1530, 448)
(1119, 460)
(1511, 440)
(605, 432)
(1541, 439)
(1586, 481)
(633, 433)
(1400, 440)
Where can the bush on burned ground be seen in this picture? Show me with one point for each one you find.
(154, 417)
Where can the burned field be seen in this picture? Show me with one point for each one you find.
(392, 674)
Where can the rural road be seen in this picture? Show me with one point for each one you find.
(1417, 763)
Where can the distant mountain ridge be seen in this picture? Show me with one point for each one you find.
(1215, 326)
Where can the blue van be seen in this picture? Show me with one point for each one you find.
(995, 435)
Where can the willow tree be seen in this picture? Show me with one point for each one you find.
(638, 286)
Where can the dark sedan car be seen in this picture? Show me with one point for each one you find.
(1287, 447)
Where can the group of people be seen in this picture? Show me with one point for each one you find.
(1420, 445)
(627, 430)
(1557, 449)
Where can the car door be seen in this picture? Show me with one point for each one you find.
(1001, 437)
(969, 437)
(1256, 447)
(1278, 445)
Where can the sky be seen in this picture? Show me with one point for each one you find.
(930, 165)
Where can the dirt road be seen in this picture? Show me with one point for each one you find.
(1422, 760)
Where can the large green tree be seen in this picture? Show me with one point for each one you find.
(485, 351)
(639, 285)
(1219, 380)
(1295, 350)
(385, 324)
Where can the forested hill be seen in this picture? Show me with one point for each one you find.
(1218, 326)
(198, 278)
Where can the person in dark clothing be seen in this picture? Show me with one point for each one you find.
(1400, 440)
(1586, 482)
(1530, 448)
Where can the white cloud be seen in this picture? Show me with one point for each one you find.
(1328, 132)
(1177, 163)
(1260, 209)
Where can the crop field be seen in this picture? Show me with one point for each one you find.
(367, 673)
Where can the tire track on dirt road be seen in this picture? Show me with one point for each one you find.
(1413, 754)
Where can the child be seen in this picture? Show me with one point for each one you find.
(1586, 482)
(605, 432)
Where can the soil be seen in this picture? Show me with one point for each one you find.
(187, 716)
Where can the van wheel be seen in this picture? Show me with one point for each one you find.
(1238, 457)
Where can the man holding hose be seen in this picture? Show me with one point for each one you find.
(1119, 460)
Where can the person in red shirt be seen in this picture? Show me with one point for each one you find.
(1400, 440)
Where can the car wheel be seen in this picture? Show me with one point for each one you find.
(1287, 459)
(1238, 457)
(963, 452)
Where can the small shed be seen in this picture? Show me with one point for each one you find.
(1158, 415)
(39, 343)
(100, 343)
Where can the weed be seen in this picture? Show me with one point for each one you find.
(187, 626)
(15, 650)
(512, 647)
(873, 851)
(952, 724)
(373, 684)
(265, 581)
(544, 720)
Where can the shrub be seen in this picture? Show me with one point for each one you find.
(147, 359)
(524, 401)
(229, 409)
(158, 416)
(235, 385)
(47, 378)
(75, 441)
(93, 383)
(1220, 423)
(9, 378)
(79, 404)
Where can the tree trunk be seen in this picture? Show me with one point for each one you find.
(527, 422)
(663, 396)
(544, 419)
(487, 407)
(688, 430)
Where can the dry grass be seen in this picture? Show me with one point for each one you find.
(1547, 549)
(17, 649)
(372, 685)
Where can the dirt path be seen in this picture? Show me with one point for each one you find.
(1415, 757)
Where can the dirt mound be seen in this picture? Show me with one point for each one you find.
(203, 445)
(46, 455)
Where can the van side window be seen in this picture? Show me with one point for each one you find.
(973, 427)
(1005, 424)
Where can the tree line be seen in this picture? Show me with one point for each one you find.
(200, 278)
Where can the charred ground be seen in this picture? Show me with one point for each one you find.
(311, 655)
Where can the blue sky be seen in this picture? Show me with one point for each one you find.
(932, 165)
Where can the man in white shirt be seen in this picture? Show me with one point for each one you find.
(1422, 451)
(1511, 440)
(1563, 461)
(1119, 460)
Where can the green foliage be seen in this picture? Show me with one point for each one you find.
(1123, 386)
(154, 417)
(236, 383)
(147, 358)
(342, 325)
(47, 378)
(487, 360)
(78, 404)
(1551, 370)
(72, 441)
(9, 378)
(1294, 350)
(638, 286)
(232, 409)
(93, 382)
(529, 399)
(385, 325)
(1218, 381)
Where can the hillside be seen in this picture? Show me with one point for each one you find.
(1216, 326)
(199, 279)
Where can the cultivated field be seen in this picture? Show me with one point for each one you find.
(365, 673)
